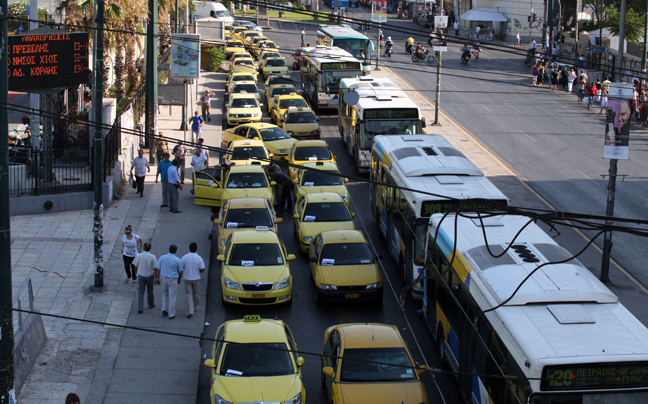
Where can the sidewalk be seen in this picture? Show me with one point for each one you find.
(109, 364)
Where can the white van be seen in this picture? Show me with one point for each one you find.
(213, 9)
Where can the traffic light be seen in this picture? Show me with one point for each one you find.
(535, 17)
(558, 39)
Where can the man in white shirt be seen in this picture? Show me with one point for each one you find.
(145, 264)
(198, 161)
(477, 29)
(193, 265)
(141, 165)
(456, 28)
(174, 186)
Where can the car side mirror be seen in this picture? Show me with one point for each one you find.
(346, 180)
(295, 216)
(423, 124)
(291, 257)
(260, 104)
(300, 361)
(216, 221)
(279, 220)
(214, 185)
(420, 369)
(313, 259)
(221, 257)
(352, 214)
(210, 363)
(327, 370)
(295, 181)
(270, 155)
(273, 183)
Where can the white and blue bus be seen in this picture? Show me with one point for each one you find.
(352, 41)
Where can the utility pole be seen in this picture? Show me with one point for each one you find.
(379, 48)
(97, 147)
(175, 19)
(621, 40)
(438, 90)
(7, 381)
(151, 74)
(643, 54)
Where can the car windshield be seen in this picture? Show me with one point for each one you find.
(242, 77)
(246, 218)
(292, 102)
(259, 39)
(308, 153)
(326, 212)
(248, 88)
(282, 91)
(276, 133)
(222, 13)
(376, 365)
(251, 255)
(300, 117)
(266, 55)
(244, 103)
(246, 152)
(347, 254)
(279, 80)
(320, 178)
(269, 359)
(245, 62)
(252, 34)
(247, 180)
(235, 44)
(271, 45)
(275, 62)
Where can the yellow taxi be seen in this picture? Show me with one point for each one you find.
(243, 108)
(281, 103)
(370, 363)
(228, 28)
(242, 61)
(323, 177)
(247, 151)
(269, 47)
(344, 268)
(256, 42)
(273, 66)
(254, 360)
(237, 32)
(247, 38)
(244, 213)
(268, 54)
(232, 47)
(275, 139)
(305, 151)
(244, 55)
(278, 79)
(239, 76)
(255, 269)
(245, 87)
(301, 123)
(315, 213)
(228, 37)
(276, 90)
(213, 185)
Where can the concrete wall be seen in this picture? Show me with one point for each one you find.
(29, 341)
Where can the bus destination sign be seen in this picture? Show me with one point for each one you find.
(341, 66)
(392, 113)
(428, 208)
(41, 61)
(594, 376)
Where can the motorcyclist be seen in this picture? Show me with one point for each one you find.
(388, 45)
(431, 37)
(409, 42)
(476, 48)
(419, 51)
(465, 52)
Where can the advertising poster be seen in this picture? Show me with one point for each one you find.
(127, 127)
(617, 130)
(379, 11)
(440, 33)
(185, 55)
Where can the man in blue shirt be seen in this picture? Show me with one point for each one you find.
(174, 186)
(171, 269)
(196, 122)
(163, 171)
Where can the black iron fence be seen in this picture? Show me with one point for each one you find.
(32, 172)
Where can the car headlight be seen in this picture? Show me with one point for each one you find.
(374, 285)
(231, 115)
(256, 115)
(295, 400)
(282, 151)
(294, 170)
(220, 400)
(344, 197)
(283, 284)
(315, 132)
(307, 239)
(291, 133)
(223, 242)
(231, 284)
(326, 286)
(281, 116)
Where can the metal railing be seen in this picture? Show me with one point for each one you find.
(19, 301)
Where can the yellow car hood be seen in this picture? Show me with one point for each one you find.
(405, 392)
(275, 145)
(336, 189)
(258, 389)
(346, 275)
(268, 274)
(230, 193)
(300, 127)
(314, 228)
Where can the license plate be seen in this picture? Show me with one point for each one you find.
(258, 295)
(352, 296)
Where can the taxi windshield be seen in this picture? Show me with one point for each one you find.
(320, 178)
(244, 103)
(252, 34)
(246, 152)
(243, 77)
(276, 133)
(247, 180)
(276, 62)
(249, 88)
(300, 117)
(255, 255)
(266, 55)
(247, 218)
(235, 44)
(376, 365)
(282, 90)
(279, 80)
(269, 359)
(347, 253)
(271, 45)
(306, 153)
(246, 62)
(326, 212)
(293, 102)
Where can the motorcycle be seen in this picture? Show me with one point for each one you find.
(408, 48)
(476, 50)
(388, 49)
(425, 54)
(465, 56)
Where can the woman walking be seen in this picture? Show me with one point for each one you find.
(570, 80)
(580, 87)
(591, 93)
(604, 98)
(541, 74)
(132, 244)
(534, 73)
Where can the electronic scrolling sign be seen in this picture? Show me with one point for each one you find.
(48, 60)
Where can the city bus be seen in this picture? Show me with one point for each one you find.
(321, 69)
(378, 107)
(521, 323)
(428, 164)
(352, 41)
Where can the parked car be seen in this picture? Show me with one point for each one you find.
(427, 21)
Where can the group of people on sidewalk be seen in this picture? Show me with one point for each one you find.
(147, 271)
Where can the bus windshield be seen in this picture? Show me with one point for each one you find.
(358, 47)
(594, 398)
(373, 128)
(329, 81)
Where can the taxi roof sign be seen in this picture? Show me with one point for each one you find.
(262, 228)
(252, 318)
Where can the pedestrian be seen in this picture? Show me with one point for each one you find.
(72, 398)
(591, 93)
(197, 122)
(145, 265)
(534, 45)
(606, 84)
(163, 172)
(244, 7)
(563, 77)
(580, 87)
(456, 27)
(303, 32)
(604, 99)
(534, 73)
(541, 74)
(205, 100)
(171, 269)
(180, 154)
(198, 161)
(205, 151)
(131, 246)
(264, 46)
(598, 90)
(546, 41)
(174, 186)
(285, 197)
(477, 29)
(517, 38)
(553, 79)
(141, 165)
(584, 76)
(161, 147)
(571, 77)
(193, 266)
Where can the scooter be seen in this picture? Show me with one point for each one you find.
(420, 55)
(465, 56)
(388, 49)
(476, 50)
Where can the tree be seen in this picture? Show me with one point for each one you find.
(634, 24)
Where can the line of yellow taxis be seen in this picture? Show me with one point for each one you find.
(255, 359)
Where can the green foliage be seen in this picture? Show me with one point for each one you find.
(162, 76)
(215, 58)
(17, 16)
(634, 24)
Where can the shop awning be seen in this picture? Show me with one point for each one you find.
(483, 14)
